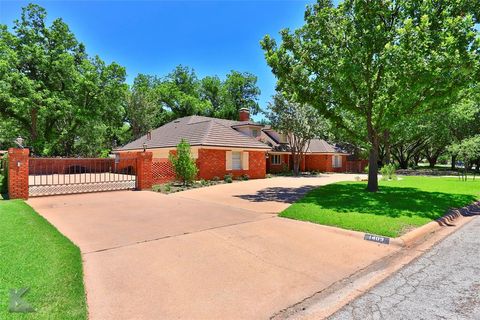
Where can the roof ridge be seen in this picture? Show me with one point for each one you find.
(207, 132)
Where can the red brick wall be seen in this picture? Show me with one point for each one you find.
(323, 163)
(212, 163)
(18, 173)
(276, 168)
(257, 165)
(144, 170)
(162, 171)
(318, 162)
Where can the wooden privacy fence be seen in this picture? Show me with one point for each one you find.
(356, 166)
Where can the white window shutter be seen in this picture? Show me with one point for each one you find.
(228, 161)
(245, 160)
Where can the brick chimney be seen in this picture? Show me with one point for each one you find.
(244, 114)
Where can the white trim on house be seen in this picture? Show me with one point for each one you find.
(337, 161)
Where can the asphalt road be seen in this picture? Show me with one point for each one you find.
(444, 283)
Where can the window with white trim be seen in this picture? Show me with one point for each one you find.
(236, 160)
(276, 159)
(337, 161)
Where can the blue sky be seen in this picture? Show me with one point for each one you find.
(153, 37)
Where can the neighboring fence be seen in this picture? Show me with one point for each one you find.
(48, 176)
(162, 171)
(356, 166)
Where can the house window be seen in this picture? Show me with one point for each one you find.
(255, 133)
(276, 159)
(337, 161)
(236, 160)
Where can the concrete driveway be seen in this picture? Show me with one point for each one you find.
(211, 253)
(263, 195)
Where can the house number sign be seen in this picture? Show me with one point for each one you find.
(374, 238)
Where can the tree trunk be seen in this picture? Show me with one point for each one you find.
(296, 163)
(388, 154)
(372, 185)
(432, 161)
(454, 159)
(403, 163)
(416, 159)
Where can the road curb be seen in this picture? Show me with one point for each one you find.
(415, 236)
(324, 303)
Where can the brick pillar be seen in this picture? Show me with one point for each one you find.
(18, 173)
(144, 170)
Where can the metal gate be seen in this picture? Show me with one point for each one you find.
(50, 176)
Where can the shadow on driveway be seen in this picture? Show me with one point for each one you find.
(277, 194)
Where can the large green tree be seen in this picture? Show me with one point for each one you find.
(368, 64)
(299, 123)
(52, 93)
(141, 105)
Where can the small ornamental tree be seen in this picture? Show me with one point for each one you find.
(183, 163)
(299, 123)
(468, 151)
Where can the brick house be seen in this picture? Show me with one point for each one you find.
(319, 155)
(232, 147)
(219, 146)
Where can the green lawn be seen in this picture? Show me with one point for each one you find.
(398, 207)
(34, 254)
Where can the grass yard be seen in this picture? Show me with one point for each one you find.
(34, 254)
(398, 207)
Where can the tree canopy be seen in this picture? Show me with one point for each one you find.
(367, 65)
(67, 103)
(154, 101)
(52, 93)
(299, 123)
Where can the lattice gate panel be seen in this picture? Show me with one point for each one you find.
(162, 171)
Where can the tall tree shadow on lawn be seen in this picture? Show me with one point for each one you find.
(278, 194)
(352, 197)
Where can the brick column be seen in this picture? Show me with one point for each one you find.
(18, 173)
(144, 170)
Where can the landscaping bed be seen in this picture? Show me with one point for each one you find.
(172, 187)
(399, 206)
(35, 255)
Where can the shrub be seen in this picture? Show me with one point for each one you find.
(228, 178)
(157, 188)
(204, 182)
(245, 177)
(216, 179)
(4, 175)
(168, 187)
(388, 172)
(183, 163)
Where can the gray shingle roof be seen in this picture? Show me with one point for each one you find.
(198, 131)
(320, 146)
